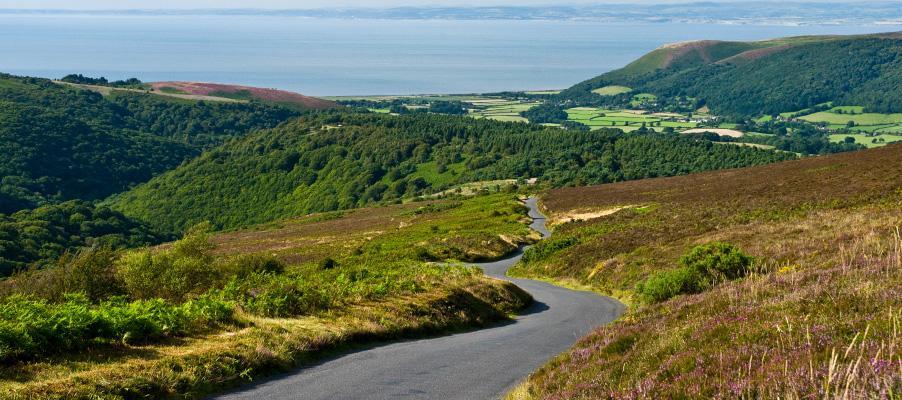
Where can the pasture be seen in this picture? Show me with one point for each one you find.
(867, 140)
(500, 109)
(856, 121)
(626, 120)
(612, 90)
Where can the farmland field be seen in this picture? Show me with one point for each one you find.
(500, 109)
(868, 129)
(612, 90)
(627, 120)
(832, 117)
(866, 140)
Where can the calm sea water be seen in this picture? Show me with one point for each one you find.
(348, 57)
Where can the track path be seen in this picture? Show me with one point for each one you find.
(481, 364)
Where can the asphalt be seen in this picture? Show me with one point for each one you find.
(481, 364)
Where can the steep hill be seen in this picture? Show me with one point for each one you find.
(244, 93)
(341, 160)
(825, 275)
(765, 77)
(60, 142)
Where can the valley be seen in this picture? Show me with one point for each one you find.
(717, 219)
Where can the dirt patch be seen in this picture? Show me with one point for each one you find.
(583, 215)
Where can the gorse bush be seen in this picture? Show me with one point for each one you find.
(702, 267)
(718, 261)
(32, 328)
(667, 284)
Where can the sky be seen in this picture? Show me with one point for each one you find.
(297, 4)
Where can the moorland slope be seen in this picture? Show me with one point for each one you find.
(811, 309)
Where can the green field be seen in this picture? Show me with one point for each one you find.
(643, 98)
(865, 140)
(833, 117)
(500, 109)
(838, 118)
(612, 90)
(597, 118)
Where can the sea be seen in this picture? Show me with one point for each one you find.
(350, 57)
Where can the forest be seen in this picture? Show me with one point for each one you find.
(59, 143)
(338, 160)
(38, 237)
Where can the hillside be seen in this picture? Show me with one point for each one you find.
(824, 276)
(239, 92)
(341, 160)
(60, 142)
(765, 77)
(210, 312)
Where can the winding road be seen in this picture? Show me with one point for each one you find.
(482, 364)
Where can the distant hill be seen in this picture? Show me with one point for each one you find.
(765, 77)
(338, 160)
(60, 142)
(239, 92)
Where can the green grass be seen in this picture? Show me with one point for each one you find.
(172, 90)
(501, 109)
(832, 117)
(612, 90)
(865, 140)
(597, 118)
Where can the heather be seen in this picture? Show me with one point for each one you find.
(805, 303)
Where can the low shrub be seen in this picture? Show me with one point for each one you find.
(247, 264)
(277, 296)
(719, 261)
(667, 284)
(702, 267)
(187, 268)
(546, 248)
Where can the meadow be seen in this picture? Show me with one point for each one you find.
(612, 90)
(626, 120)
(500, 109)
(214, 310)
(868, 129)
(811, 311)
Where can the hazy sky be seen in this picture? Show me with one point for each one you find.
(160, 4)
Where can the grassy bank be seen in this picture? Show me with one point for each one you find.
(287, 293)
(815, 315)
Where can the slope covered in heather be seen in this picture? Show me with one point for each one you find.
(817, 302)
